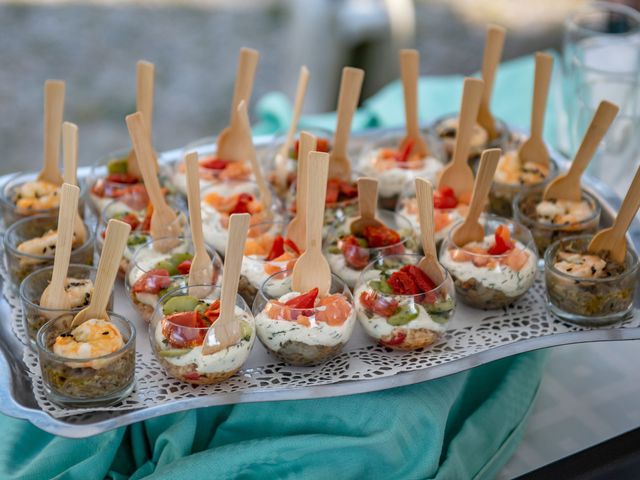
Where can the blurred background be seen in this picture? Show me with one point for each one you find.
(93, 45)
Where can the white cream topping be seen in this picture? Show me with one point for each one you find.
(339, 266)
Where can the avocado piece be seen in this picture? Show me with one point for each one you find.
(168, 266)
(382, 286)
(441, 307)
(178, 258)
(245, 330)
(183, 303)
(117, 165)
(403, 316)
(135, 240)
(201, 308)
(174, 352)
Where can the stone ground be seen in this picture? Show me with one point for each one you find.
(94, 48)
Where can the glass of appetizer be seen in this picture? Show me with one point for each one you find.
(179, 327)
(512, 177)
(396, 169)
(135, 211)
(496, 272)
(349, 254)
(78, 288)
(90, 365)
(300, 328)
(23, 195)
(447, 210)
(399, 306)
(551, 220)
(153, 272)
(30, 244)
(585, 288)
(221, 200)
(267, 251)
(446, 129)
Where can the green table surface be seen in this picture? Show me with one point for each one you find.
(461, 426)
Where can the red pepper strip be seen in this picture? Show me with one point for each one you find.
(288, 243)
(277, 249)
(404, 153)
(503, 241)
(306, 300)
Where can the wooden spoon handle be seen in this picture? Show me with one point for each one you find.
(471, 95)
(316, 195)
(115, 242)
(70, 152)
(629, 207)
(491, 59)
(245, 74)
(146, 163)
(193, 197)
(301, 90)
(424, 196)
(145, 74)
(308, 143)
(66, 217)
(600, 123)
(53, 115)
(482, 184)
(350, 87)
(544, 66)
(367, 196)
(409, 73)
(245, 127)
(238, 228)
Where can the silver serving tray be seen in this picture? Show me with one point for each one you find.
(17, 398)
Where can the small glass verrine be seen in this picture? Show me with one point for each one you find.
(79, 291)
(574, 294)
(495, 272)
(73, 377)
(31, 256)
(399, 306)
(178, 329)
(298, 327)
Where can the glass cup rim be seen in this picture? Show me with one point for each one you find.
(548, 261)
(288, 273)
(4, 198)
(597, 209)
(175, 292)
(14, 250)
(40, 271)
(44, 350)
(571, 21)
(514, 224)
(183, 238)
(441, 286)
(403, 239)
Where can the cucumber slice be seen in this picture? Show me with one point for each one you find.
(403, 316)
(245, 330)
(441, 307)
(168, 266)
(174, 352)
(183, 303)
(178, 258)
(117, 165)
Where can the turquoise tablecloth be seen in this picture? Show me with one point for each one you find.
(462, 426)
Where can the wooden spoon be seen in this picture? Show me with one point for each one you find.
(567, 186)
(282, 157)
(297, 228)
(201, 271)
(409, 73)
(115, 242)
(164, 222)
(246, 137)
(458, 174)
(145, 74)
(534, 149)
(70, 165)
(612, 239)
(367, 201)
(471, 230)
(53, 114)
(227, 144)
(54, 295)
(429, 263)
(490, 62)
(350, 86)
(225, 331)
(312, 269)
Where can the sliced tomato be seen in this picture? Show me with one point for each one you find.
(425, 284)
(380, 236)
(184, 329)
(405, 151)
(124, 178)
(348, 190)
(277, 248)
(503, 242)
(445, 197)
(378, 304)
(397, 339)
(214, 163)
(354, 255)
(213, 312)
(131, 219)
(306, 300)
(242, 204)
(403, 284)
(152, 281)
(184, 267)
(333, 191)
